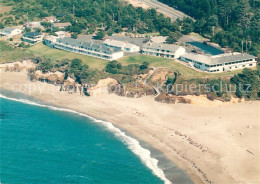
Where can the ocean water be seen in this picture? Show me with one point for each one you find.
(42, 144)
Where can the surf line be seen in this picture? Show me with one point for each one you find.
(132, 144)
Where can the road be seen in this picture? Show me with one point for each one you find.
(165, 9)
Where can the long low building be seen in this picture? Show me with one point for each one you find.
(219, 63)
(32, 37)
(124, 46)
(91, 48)
(163, 50)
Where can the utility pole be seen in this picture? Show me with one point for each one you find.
(73, 9)
(27, 17)
(250, 43)
(242, 47)
(246, 45)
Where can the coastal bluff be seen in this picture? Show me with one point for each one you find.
(214, 142)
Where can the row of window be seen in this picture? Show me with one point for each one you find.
(213, 65)
(90, 49)
(238, 62)
(81, 51)
(196, 62)
(159, 50)
(158, 54)
(214, 70)
(87, 48)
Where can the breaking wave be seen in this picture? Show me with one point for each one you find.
(132, 144)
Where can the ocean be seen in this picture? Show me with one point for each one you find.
(43, 144)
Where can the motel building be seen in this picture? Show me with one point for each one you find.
(32, 37)
(10, 32)
(87, 48)
(163, 50)
(219, 63)
(124, 46)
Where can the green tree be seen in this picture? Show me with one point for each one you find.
(173, 37)
(165, 32)
(38, 30)
(1, 25)
(27, 29)
(45, 66)
(100, 35)
(74, 35)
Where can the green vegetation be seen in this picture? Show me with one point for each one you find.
(185, 72)
(91, 15)
(100, 35)
(127, 70)
(9, 53)
(132, 69)
(247, 84)
(226, 22)
(45, 66)
(43, 51)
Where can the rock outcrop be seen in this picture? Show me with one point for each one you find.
(171, 99)
(17, 66)
(104, 86)
(50, 77)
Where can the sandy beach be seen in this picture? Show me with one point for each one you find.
(212, 141)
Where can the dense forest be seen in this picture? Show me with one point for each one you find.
(226, 22)
(230, 23)
(89, 15)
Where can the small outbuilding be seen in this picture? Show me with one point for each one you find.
(124, 46)
(10, 32)
(32, 37)
(50, 19)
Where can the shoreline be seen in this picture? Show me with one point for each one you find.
(144, 154)
(202, 140)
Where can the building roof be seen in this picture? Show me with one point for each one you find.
(155, 46)
(218, 59)
(8, 30)
(136, 41)
(49, 18)
(33, 24)
(61, 32)
(224, 58)
(92, 45)
(114, 43)
(129, 45)
(159, 39)
(117, 43)
(32, 34)
(62, 24)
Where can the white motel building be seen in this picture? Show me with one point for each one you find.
(219, 63)
(113, 50)
(163, 50)
(91, 48)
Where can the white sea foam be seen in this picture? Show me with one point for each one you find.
(133, 144)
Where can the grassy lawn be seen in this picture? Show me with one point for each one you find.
(55, 54)
(9, 54)
(95, 63)
(186, 72)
